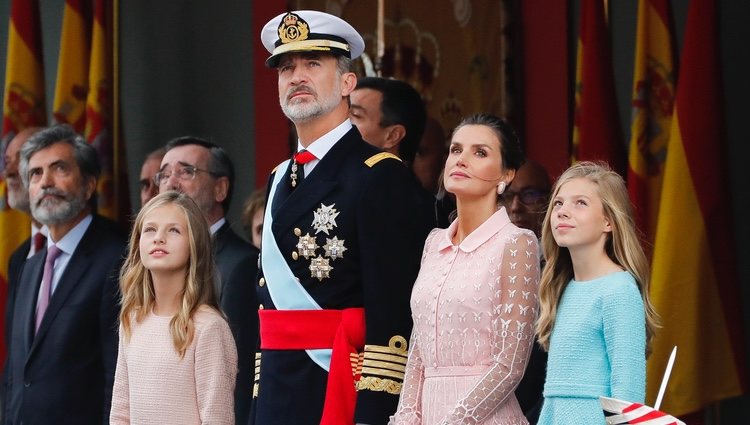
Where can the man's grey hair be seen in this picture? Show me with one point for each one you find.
(220, 164)
(86, 156)
(344, 64)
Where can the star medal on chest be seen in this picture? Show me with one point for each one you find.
(324, 218)
(307, 246)
(320, 268)
(334, 248)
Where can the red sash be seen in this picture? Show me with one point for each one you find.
(341, 330)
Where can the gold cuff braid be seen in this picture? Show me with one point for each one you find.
(383, 367)
(377, 384)
(256, 380)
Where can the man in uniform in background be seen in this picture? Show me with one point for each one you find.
(390, 114)
(342, 241)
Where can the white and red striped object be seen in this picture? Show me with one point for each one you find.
(618, 412)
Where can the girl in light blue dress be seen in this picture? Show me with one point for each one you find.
(595, 319)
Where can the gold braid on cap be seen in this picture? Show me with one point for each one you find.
(311, 45)
(383, 367)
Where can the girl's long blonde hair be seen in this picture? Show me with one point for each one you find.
(136, 283)
(623, 246)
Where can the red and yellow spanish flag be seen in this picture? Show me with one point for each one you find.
(653, 100)
(71, 88)
(100, 109)
(23, 107)
(596, 126)
(695, 285)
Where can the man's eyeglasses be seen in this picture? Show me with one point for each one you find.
(186, 172)
(528, 197)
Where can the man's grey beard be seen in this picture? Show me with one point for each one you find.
(18, 196)
(302, 112)
(59, 210)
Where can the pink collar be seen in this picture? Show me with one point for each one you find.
(480, 235)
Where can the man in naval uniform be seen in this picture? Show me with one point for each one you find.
(342, 240)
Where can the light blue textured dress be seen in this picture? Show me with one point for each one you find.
(597, 348)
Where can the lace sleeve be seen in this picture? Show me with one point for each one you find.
(513, 330)
(409, 411)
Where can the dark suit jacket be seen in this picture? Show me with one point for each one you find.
(237, 262)
(382, 222)
(529, 390)
(64, 374)
(15, 264)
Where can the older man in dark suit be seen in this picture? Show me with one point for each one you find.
(203, 171)
(63, 344)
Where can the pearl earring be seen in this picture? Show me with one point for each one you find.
(501, 188)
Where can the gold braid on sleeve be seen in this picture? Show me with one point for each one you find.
(256, 380)
(383, 367)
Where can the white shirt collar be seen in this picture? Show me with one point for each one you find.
(70, 241)
(216, 226)
(43, 230)
(322, 145)
(34, 231)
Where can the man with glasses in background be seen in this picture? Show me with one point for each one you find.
(526, 201)
(149, 168)
(203, 171)
(526, 198)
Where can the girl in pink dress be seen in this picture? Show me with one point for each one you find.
(475, 300)
(177, 361)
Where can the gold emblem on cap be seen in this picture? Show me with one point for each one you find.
(293, 28)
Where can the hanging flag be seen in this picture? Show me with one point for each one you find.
(596, 126)
(99, 118)
(23, 107)
(653, 101)
(695, 285)
(73, 66)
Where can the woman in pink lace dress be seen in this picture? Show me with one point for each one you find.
(475, 300)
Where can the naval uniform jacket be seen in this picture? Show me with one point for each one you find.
(382, 223)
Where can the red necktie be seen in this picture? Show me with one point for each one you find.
(303, 157)
(39, 241)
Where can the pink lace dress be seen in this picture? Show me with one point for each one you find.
(474, 307)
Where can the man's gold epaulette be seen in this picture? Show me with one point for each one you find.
(379, 157)
(383, 367)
